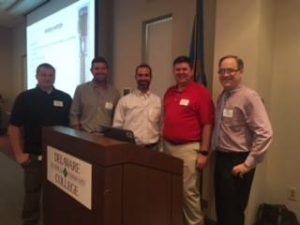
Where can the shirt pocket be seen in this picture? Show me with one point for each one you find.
(154, 114)
(236, 122)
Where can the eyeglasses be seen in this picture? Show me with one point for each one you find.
(222, 72)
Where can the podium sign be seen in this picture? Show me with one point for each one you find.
(70, 174)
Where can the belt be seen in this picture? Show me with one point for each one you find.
(180, 143)
(150, 145)
(231, 153)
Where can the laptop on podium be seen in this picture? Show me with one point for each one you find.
(118, 134)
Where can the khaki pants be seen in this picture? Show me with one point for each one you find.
(192, 213)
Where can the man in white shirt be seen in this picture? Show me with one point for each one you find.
(140, 110)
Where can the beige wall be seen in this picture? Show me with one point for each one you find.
(265, 34)
(128, 18)
(12, 52)
(19, 59)
(284, 159)
(6, 64)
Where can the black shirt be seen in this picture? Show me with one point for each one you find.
(34, 109)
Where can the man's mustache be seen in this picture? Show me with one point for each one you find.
(143, 82)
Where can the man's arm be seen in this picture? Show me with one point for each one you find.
(75, 111)
(206, 111)
(260, 125)
(119, 115)
(205, 144)
(15, 137)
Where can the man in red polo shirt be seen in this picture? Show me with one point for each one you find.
(188, 119)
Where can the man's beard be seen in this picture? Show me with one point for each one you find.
(100, 77)
(144, 85)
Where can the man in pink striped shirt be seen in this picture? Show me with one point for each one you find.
(241, 137)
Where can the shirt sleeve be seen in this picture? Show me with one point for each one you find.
(206, 108)
(75, 110)
(259, 123)
(18, 113)
(116, 100)
(119, 115)
(68, 107)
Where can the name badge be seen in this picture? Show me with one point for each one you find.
(109, 105)
(184, 102)
(228, 113)
(58, 103)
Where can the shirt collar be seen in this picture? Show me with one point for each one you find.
(47, 92)
(139, 93)
(233, 91)
(185, 88)
(94, 84)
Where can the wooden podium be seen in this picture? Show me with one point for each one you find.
(93, 180)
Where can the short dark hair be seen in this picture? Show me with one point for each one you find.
(143, 65)
(238, 60)
(99, 59)
(183, 59)
(44, 65)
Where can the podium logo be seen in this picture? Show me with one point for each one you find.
(65, 172)
(70, 174)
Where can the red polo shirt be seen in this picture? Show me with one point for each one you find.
(186, 112)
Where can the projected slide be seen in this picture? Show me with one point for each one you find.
(66, 40)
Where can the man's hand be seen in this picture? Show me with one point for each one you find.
(201, 161)
(23, 159)
(240, 170)
(16, 140)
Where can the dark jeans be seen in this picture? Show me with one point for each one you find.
(33, 187)
(231, 192)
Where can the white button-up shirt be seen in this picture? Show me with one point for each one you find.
(141, 113)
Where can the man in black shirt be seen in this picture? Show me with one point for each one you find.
(33, 109)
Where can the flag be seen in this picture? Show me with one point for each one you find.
(197, 45)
